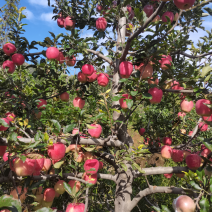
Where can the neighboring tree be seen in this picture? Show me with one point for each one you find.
(69, 141)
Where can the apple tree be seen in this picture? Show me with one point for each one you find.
(67, 141)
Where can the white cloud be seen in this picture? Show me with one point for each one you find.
(41, 2)
(47, 17)
(28, 14)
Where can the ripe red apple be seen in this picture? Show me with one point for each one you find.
(142, 131)
(41, 104)
(88, 155)
(60, 22)
(168, 14)
(148, 9)
(59, 187)
(202, 126)
(131, 12)
(157, 95)
(10, 116)
(61, 58)
(81, 77)
(96, 132)
(129, 29)
(9, 48)
(207, 119)
(123, 102)
(78, 102)
(103, 79)
(184, 4)
(125, 69)
(69, 23)
(75, 207)
(99, 8)
(15, 195)
(168, 175)
(151, 81)
(92, 77)
(18, 59)
(190, 133)
(49, 195)
(177, 155)
(64, 97)
(90, 178)
(175, 85)
(101, 24)
(38, 161)
(205, 152)
(72, 147)
(9, 64)
(202, 109)
(2, 150)
(75, 131)
(157, 18)
(76, 183)
(184, 203)
(100, 164)
(181, 114)
(87, 69)
(166, 152)
(57, 151)
(5, 121)
(167, 141)
(165, 60)
(193, 161)
(5, 158)
(91, 164)
(52, 53)
(146, 70)
(186, 106)
(70, 61)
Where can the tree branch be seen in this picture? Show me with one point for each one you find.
(202, 3)
(190, 56)
(184, 91)
(140, 30)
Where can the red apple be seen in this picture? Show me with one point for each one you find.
(99, 8)
(59, 187)
(202, 109)
(157, 95)
(75, 131)
(205, 152)
(152, 81)
(103, 79)
(75, 183)
(167, 141)
(61, 58)
(52, 53)
(64, 97)
(146, 70)
(96, 131)
(142, 131)
(186, 106)
(15, 195)
(9, 64)
(168, 175)
(181, 114)
(91, 164)
(175, 85)
(78, 102)
(104, 11)
(49, 195)
(38, 161)
(123, 102)
(60, 22)
(125, 69)
(202, 126)
(148, 9)
(70, 61)
(184, 4)
(75, 207)
(57, 151)
(168, 14)
(157, 18)
(165, 60)
(5, 121)
(87, 69)
(72, 147)
(47, 164)
(193, 161)
(166, 152)
(190, 133)
(9, 48)
(131, 12)
(2, 150)
(41, 104)
(69, 23)
(18, 59)
(177, 155)
(207, 119)
(90, 178)
(101, 24)
(82, 77)
(10, 116)
(101, 165)
(184, 203)
(92, 77)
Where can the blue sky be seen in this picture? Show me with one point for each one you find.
(39, 20)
